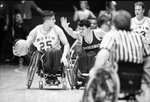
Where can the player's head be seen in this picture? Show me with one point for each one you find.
(49, 17)
(85, 22)
(94, 23)
(84, 4)
(84, 25)
(139, 9)
(121, 20)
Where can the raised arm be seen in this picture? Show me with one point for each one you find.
(69, 30)
(36, 7)
(92, 14)
(75, 16)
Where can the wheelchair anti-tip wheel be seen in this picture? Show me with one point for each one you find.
(33, 66)
(104, 87)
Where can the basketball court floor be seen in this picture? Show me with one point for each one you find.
(13, 88)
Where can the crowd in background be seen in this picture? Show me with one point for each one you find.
(18, 25)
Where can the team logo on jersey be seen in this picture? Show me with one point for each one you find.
(45, 38)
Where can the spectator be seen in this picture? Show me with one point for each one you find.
(19, 31)
(84, 13)
(4, 22)
(25, 8)
(105, 16)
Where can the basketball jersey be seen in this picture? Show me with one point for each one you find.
(140, 27)
(93, 45)
(47, 41)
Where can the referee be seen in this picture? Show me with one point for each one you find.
(127, 48)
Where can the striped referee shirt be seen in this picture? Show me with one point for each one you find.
(125, 46)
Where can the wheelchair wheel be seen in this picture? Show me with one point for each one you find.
(70, 76)
(33, 66)
(104, 87)
(63, 79)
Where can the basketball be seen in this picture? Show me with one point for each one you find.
(21, 48)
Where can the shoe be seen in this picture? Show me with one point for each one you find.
(56, 81)
(48, 81)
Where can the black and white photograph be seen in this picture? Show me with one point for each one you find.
(74, 51)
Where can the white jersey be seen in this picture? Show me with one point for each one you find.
(141, 27)
(46, 41)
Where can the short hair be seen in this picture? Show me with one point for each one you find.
(84, 22)
(140, 4)
(121, 20)
(47, 14)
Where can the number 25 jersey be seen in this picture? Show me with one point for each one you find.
(46, 41)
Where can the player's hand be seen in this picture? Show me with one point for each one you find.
(64, 61)
(64, 22)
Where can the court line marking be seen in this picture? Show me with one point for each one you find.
(20, 68)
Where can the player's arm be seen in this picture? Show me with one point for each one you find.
(92, 14)
(63, 40)
(36, 7)
(99, 33)
(104, 54)
(75, 16)
(100, 14)
(69, 30)
(31, 37)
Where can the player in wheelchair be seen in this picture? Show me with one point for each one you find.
(129, 57)
(85, 47)
(49, 59)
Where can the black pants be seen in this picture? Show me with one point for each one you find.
(85, 61)
(51, 61)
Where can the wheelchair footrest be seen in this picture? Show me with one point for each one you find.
(85, 74)
(52, 75)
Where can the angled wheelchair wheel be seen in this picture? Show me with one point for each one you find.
(70, 76)
(104, 87)
(71, 72)
(33, 66)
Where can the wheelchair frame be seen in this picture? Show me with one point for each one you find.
(106, 85)
(34, 67)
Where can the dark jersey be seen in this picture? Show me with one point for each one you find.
(93, 46)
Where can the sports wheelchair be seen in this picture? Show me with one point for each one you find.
(36, 66)
(78, 78)
(112, 84)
